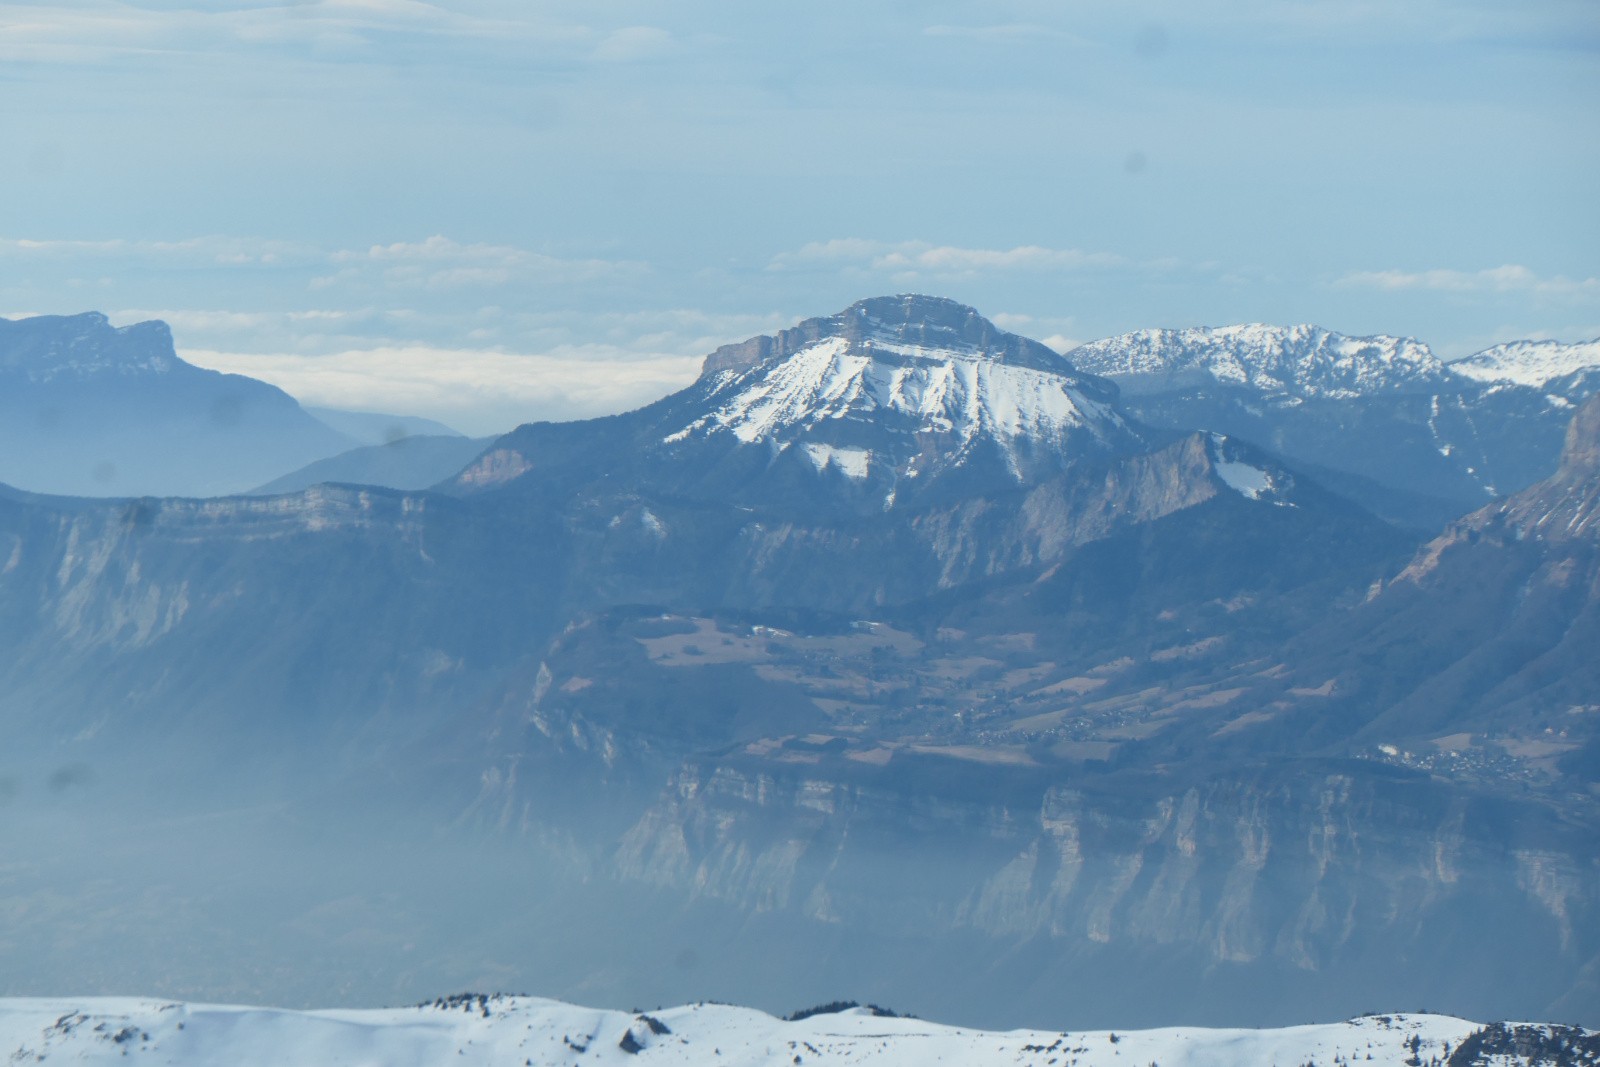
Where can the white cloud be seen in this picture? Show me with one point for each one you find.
(483, 369)
(441, 263)
(95, 31)
(1035, 326)
(477, 391)
(1010, 32)
(686, 332)
(1510, 278)
(211, 250)
(912, 259)
(435, 248)
(1061, 342)
(632, 44)
(436, 263)
(188, 322)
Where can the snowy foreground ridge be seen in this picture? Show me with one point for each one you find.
(493, 1030)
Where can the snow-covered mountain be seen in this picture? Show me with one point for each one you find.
(872, 405)
(920, 368)
(1530, 363)
(492, 1030)
(1287, 361)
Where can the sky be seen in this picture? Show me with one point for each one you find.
(496, 211)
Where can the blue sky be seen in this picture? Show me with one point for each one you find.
(494, 211)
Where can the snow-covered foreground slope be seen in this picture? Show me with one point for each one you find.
(527, 1030)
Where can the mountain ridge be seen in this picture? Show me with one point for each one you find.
(1294, 361)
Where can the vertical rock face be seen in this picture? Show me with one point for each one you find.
(1312, 878)
(1566, 506)
(1558, 517)
(1304, 871)
(1581, 457)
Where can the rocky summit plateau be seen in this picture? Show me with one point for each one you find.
(1227, 677)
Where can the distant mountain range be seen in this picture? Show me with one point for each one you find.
(375, 428)
(100, 411)
(1100, 680)
(1378, 418)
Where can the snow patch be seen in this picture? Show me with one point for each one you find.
(1244, 479)
(852, 462)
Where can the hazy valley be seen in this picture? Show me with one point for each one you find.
(1233, 677)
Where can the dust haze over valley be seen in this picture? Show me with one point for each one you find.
(468, 524)
(895, 648)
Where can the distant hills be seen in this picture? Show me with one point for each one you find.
(407, 462)
(374, 428)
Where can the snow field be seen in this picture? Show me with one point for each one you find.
(473, 1030)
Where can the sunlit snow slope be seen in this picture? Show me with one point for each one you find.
(1532, 363)
(907, 367)
(1305, 360)
(944, 390)
(472, 1030)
